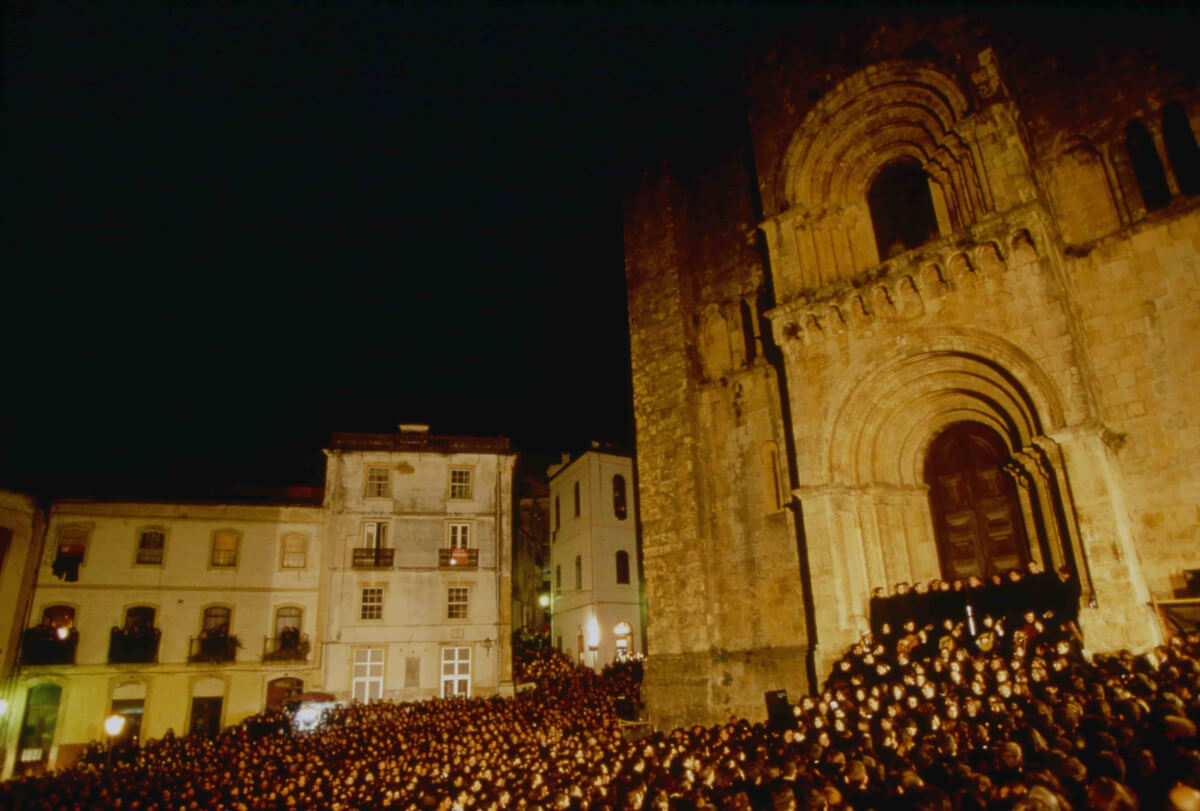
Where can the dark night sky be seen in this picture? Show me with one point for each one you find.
(233, 229)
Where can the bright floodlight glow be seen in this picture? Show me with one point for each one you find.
(3, 707)
(544, 600)
(61, 632)
(593, 633)
(113, 724)
(306, 717)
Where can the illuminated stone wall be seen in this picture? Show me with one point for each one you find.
(1055, 301)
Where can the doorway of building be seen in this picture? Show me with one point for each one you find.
(973, 502)
(37, 728)
(280, 690)
(206, 716)
(456, 672)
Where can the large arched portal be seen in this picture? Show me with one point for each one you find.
(974, 504)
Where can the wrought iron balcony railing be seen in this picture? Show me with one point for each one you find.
(373, 557)
(215, 649)
(133, 645)
(458, 558)
(41, 645)
(285, 648)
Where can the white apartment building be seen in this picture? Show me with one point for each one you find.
(595, 583)
(420, 565)
(193, 616)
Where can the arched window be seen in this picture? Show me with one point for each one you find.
(750, 346)
(901, 208)
(53, 640)
(1147, 168)
(623, 567)
(138, 617)
(287, 616)
(1181, 148)
(578, 572)
(620, 505)
(281, 689)
(973, 501)
(150, 547)
(59, 616)
(576, 499)
(216, 619)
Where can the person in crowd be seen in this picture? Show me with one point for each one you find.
(940, 724)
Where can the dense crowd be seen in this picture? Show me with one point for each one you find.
(956, 714)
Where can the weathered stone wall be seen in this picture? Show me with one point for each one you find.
(1056, 304)
(1138, 295)
(725, 618)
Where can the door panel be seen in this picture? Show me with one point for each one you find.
(973, 503)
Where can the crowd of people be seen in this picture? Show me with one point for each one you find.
(968, 713)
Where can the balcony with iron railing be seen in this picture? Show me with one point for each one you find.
(458, 558)
(213, 649)
(133, 645)
(47, 645)
(373, 557)
(285, 648)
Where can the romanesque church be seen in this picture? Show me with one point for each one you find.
(933, 313)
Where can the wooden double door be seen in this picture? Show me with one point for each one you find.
(973, 500)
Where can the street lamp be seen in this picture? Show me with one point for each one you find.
(113, 725)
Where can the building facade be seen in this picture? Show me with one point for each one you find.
(595, 580)
(420, 569)
(531, 558)
(190, 617)
(929, 313)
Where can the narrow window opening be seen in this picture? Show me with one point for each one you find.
(1181, 148)
(620, 503)
(576, 499)
(623, 567)
(1147, 168)
(748, 332)
(901, 208)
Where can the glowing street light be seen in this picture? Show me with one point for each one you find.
(113, 725)
(544, 600)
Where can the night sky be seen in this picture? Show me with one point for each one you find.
(232, 229)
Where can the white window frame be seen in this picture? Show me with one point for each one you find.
(375, 534)
(458, 535)
(212, 550)
(288, 559)
(162, 549)
(456, 672)
(458, 602)
(378, 482)
(464, 488)
(366, 682)
(372, 606)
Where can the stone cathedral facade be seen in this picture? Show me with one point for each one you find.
(933, 312)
